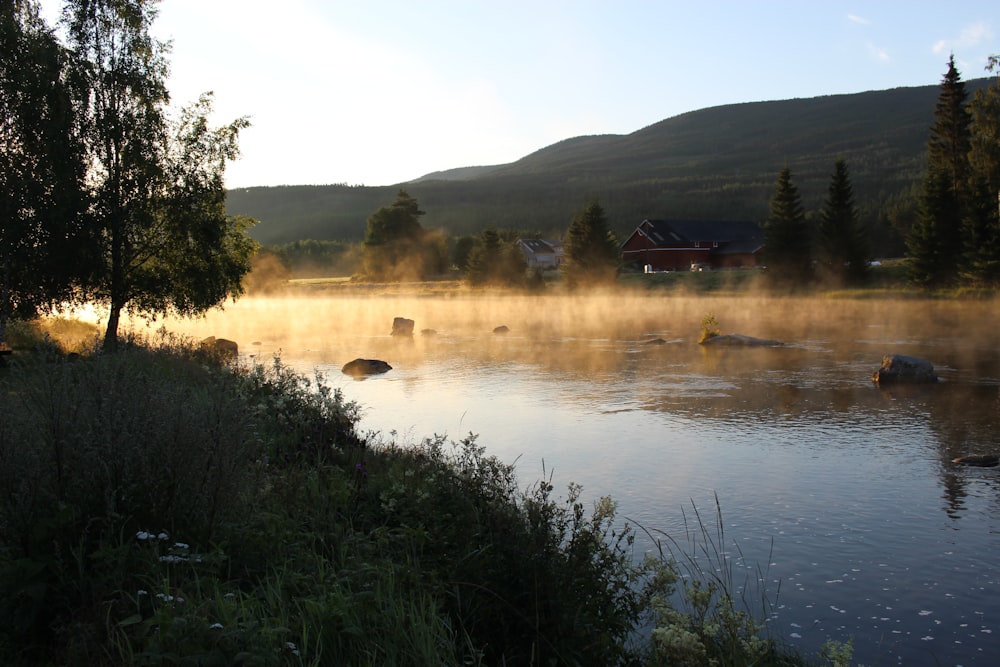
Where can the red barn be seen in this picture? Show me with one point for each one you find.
(677, 245)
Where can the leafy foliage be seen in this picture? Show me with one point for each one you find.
(161, 508)
(157, 187)
(45, 241)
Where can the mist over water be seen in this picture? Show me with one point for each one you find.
(843, 492)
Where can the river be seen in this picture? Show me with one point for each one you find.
(839, 501)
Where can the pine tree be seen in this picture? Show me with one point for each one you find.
(396, 246)
(842, 240)
(981, 232)
(786, 235)
(945, 197)
(592, 255)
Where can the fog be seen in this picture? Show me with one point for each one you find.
(875, 533)
(354, 321)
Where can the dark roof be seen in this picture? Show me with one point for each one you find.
(667, 232)
(538, 246)
(740, 247)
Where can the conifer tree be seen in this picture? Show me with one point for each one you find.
(786, 235)
(592, 255)
(495, 261)
(396, 246)
(981, 231)
(842, 240)
(935, 244)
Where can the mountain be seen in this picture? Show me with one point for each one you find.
(716, 163)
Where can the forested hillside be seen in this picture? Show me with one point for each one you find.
(720, 162)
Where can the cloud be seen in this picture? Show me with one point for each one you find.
(860, 20)
(969, 37)
(879, 53)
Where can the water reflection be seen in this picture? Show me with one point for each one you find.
(877, 535)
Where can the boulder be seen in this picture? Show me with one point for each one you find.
(502, 329)
(428, 332)
(980, 460)
(362, 367)
(655, 341)
(904, 369)
(402, 327)
(739, 340)
(221, 346)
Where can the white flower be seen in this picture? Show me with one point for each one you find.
(143, 535)
(215, 626)
(163, 536)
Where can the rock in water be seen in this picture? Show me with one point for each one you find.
(224, 348)
(402, 327)
(981, 460)
(502, 329)
(362, 367)
(739, 340)
(904, 369)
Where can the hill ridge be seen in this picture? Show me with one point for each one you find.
(718, 162)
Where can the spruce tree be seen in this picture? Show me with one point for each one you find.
(981, 259)
(786, 235)
(981, 231)
(842, 240)
(934, 251)
(592, 255)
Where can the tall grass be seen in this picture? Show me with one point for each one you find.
(160, 506)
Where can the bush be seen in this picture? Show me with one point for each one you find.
(158, 506)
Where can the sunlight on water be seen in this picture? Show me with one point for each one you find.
(842, 492)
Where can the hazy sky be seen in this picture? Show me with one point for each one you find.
(377, 92)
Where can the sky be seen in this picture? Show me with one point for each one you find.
(379, 92)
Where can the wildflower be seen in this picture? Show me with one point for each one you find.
(181, 545)
(163, 536)
(215, 626)
(292, 647)
(143, 535)
(170, 558)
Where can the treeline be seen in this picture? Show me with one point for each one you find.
(951, 229)
(715, 163)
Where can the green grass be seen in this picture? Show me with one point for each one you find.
(161, 507)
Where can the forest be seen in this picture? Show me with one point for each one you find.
(716, 163)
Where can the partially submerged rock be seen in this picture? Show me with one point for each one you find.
(402, 326)
(980, 460)
(363, 367)
(904, 369)
(502, 329)
(221, 346)
(739, 340)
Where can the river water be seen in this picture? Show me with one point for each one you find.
(839, 502)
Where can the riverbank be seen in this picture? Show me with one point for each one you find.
(887, 280)
(160, 505)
